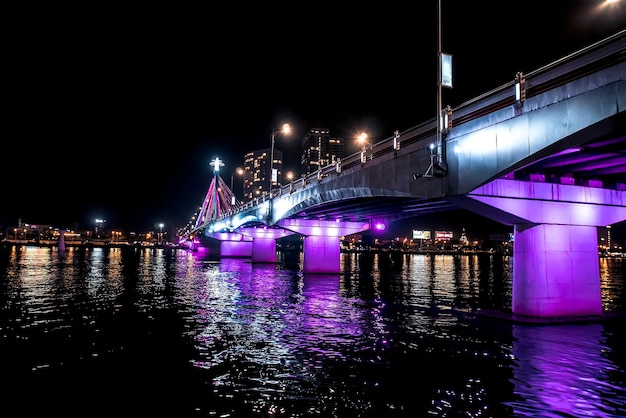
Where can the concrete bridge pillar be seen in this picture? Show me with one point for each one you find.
(264, 250)
(61, 241)
(239, 248)
(556, 271)
(263, 245)
(232, 244)
(321, 254)
(556, 266)
(321, 251)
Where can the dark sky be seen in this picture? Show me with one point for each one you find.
(116, 113)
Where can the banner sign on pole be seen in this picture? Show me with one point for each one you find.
(446, 70)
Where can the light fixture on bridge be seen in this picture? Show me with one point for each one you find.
(216, 163)
(379, 225)
(430, 170)
(362, 139)
(446, 119)
(520, 89)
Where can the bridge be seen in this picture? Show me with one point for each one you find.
(545, 153)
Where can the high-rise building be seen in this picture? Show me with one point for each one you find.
(319, 149)
(257, 175)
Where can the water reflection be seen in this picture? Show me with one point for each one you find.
(393, 335)
(564, 370)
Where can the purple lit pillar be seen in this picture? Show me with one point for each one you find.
(321, 254)
(321, 251)
(264, 250)
(556, 271)
(61, 241)
(232, 244)
(560, 369)
(235, 248)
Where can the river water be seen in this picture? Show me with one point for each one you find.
(116, 332)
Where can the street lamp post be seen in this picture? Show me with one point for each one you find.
(160, 240)
(444, 79)
(285, 129)
(439, 98)
(239, 172)
(362, 138)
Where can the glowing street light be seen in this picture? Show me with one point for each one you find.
(285, 130)
(362, 139)
(160, 240)
(239, 172)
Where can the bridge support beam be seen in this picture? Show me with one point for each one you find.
(556, 267)
(232, 244)
(235, 248)
(556, 271)
(264, 242)
(321, 251)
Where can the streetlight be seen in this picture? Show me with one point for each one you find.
(444, 79)
(160, 240)
(239, 172)
(286, 129)
(362, 139)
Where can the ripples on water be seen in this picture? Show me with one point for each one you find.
(112, 331)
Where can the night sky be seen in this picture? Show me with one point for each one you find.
(116, 113)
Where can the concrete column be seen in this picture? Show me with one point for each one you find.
(237, 248)
(263, 250)
(321, 254)
(61, 241)
(556, 271)
(229, 244)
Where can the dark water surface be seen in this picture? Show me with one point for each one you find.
(141, 332)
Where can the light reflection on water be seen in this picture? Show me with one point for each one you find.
(101, 330)
(565, 371)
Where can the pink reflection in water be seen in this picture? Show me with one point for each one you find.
(563, 370)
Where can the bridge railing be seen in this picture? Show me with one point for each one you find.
(578, 64)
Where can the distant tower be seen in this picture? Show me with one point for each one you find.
(219, 198)
(463, 239)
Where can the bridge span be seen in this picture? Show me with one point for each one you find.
(545, 153)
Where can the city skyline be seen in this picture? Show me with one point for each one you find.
(123, 125)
